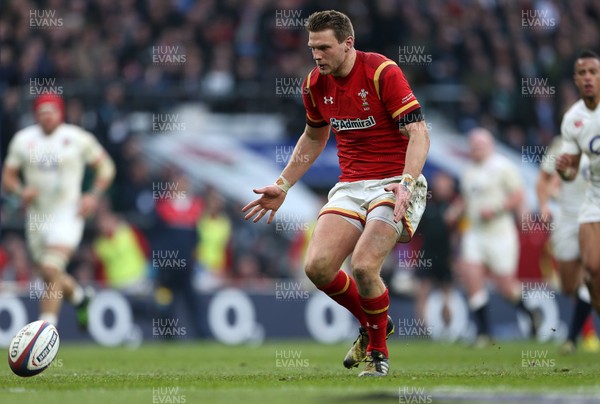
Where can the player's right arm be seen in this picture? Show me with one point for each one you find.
(310, 145)
(11, 182)
(567, 163)
(566, 166)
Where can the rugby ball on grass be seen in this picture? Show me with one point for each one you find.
(33, 348)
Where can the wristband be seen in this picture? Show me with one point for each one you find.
(283, 184)
(408, 182)
(96, 192)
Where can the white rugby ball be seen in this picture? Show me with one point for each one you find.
(33, 348)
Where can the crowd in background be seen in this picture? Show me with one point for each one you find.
(475, 56)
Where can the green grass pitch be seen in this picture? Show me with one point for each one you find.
(303, 372)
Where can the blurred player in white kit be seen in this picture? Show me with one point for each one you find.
(51, 156)
(492, 192)
(580, 132)
(565, 240)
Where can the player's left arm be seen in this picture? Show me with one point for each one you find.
(104, 168)
(567, 162)
(416, 154)
(418, 147)
(403, 106)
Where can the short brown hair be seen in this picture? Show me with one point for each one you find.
(331, 19)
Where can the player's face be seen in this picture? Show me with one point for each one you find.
(480, 147)
(327, 52)
(587, 77)
(48, 116)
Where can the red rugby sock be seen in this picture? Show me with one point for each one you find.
(588, 327)
(376, 310)
(344, 291)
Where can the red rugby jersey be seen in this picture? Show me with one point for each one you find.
(363, 110)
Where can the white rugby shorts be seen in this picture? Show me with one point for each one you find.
(362, 201)
(59, 228)
(498, 250)
(565, 238)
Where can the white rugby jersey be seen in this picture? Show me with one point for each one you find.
(487, 185)
(53, 164)
(571, 193)
(580, 131)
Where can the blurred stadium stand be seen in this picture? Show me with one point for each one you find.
(232, 58)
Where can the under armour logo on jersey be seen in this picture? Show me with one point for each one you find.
(328, 100)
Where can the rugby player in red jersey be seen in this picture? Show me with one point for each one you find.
(382, 144)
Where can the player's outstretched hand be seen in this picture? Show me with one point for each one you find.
(88, 204)
(564, 167)
(563, 162)
(271, 198)
(28, 195)
(402, 199)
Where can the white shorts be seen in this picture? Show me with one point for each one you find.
(498, 251)
(590, 210)
(565, 238)
(61, 228)
(361, 201)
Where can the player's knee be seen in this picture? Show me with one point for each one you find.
(363, 271)
(48, 273)
(52, 265)
(318, 270)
